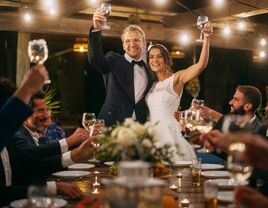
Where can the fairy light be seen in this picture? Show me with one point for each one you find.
(184, 38)
(226, 31)
(48, 3)
(52, 12)
(27, 17)
(160, 2)
(262, 54)
(93, 2)
(262, 42)
(241, 25)
(218, 2)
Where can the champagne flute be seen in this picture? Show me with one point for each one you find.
(106, 8)
(201, 21)
(38, 52)
(88, 121)
(238, 170)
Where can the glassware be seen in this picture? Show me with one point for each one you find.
(88, 120)
(39, 196)
(201, 21)
(38, 52)
(196, 172)
(210, 194)
(106, 8)
(238, 170)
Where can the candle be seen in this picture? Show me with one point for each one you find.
(96, 172)
(179, 175)
(185, 202)
(96, 191)
(173, 187)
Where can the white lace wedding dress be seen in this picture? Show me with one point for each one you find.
(163, 101)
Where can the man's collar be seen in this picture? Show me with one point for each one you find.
(130, 59)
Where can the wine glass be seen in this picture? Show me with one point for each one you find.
(106, 8)
(38, 52)
(88, 120)
(201, 21)
(239, 171)
(39, 196)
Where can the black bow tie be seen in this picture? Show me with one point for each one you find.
(140, 63)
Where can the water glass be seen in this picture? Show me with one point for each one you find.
(39, 197)
(196, 172)
(210, 194)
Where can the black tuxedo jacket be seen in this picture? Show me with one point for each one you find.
(118, 78)
(38, 161)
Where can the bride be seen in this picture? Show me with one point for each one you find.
(164, 97)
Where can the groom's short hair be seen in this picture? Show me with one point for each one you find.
(134, 28)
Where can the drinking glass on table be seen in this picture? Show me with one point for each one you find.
(39, 196)
(210, 195)
(196, 172)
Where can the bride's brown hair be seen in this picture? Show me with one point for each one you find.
(164, 52)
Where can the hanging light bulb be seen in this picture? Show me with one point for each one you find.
(262, 54)
(226, 31)
(218, 2)
(241, 25)
(160, 2)
(263, 42)
(184, 38)
(27, 17)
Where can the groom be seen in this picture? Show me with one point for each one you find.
(126, 77)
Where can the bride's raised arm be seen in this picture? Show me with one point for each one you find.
(183, 76)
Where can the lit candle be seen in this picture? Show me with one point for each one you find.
(96, 172)
(185, 202)
(173, 187)
(96, 191)
(179, 175)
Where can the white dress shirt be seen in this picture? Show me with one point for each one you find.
(7, 167)
(140, 80)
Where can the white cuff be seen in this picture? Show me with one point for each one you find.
(51, 188)
(66, 159)
(63, 145)
(95, 30)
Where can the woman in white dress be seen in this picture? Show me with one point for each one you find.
(164, 97)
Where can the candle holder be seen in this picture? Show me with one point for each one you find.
(184, 203)
(173, 187)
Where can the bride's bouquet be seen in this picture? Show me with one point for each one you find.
(131, 140)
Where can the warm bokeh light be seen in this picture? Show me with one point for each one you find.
(27, 17)
(218, 2)
(160, 2)
(262, 54)
(48, 3)
(184, 38)
(52, 12)
(241, 25)
(262, 42)
(94, 3)
(226, 31)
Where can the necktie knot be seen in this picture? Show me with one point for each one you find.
(140, 63)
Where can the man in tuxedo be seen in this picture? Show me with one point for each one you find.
(127, 78)
(13, 184)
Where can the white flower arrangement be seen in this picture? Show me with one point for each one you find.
(131, 140)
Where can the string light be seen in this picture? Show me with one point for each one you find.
(262, 54)
(262, 42)
(218, 2)
(160, 2)
(241, 25)
(226, 31)
(27, 17)
(93, 2)
(184, 38)
(50, 6)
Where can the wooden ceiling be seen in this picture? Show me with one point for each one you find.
(160, 24)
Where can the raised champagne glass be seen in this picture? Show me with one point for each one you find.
(38, 52)
(106, 8)
(201, 21)
(88, 121)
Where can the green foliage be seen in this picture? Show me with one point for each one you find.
(49, 99)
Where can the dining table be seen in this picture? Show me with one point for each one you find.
(185, 188)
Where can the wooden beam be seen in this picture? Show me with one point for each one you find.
(229, 11)
(154, 31)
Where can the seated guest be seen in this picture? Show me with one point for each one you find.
(13, 185)
(13, 113)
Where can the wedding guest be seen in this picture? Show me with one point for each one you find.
(13, 184)
(126, 77)
(14, 111)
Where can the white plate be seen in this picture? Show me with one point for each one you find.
(215, 174)
(182, 163)
(226, 196)
(207, 166)
(71, 174)
(22, 202)
(109, 163)
(224, 183)
(81, 166)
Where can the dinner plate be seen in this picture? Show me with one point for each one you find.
(81, 166)
(224, 183)
(109, 163)
(226, 196)
(207, 166)
(182, 163)
(71, 174)
(215, 174)
(22, 202)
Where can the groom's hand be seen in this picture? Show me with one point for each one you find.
(98, 18)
